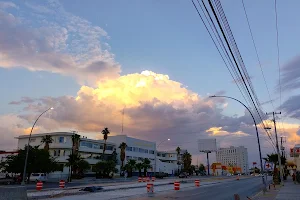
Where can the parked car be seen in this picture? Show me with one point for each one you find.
(161, 175)
(38, 177)
(183, 175)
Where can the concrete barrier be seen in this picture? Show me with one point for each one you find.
(15, 193)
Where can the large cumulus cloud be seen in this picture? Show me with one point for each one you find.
(155, 107)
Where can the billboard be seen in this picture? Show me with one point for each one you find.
(207, 145)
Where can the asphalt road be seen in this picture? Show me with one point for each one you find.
(82, 183)
(220, 191)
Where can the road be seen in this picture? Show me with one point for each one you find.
(219, 191)
(82, 183)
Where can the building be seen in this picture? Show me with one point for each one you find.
(166, 161)
(61, 148)
(234, 156)
(91, 150)
(294, 153)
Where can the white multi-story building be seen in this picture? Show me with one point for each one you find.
(61, 148)
(235, 156)
(91, 150)
(166, 161)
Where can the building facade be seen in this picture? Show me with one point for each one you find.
(166, 161)
(61, 148)
(234, 156)
(91, 150)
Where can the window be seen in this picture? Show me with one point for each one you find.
(55, 153)
(151, 151)
(32, 140)
(96, 146)
(109, 148)
(128, 148)
(86, 144)
(135, 149)
(61, 139)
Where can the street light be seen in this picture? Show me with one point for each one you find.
(156, 154)
(27, 150)
(258, 142)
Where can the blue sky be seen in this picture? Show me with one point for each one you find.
(169, 38)
(166, 37)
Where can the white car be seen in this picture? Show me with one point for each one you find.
(38, 177)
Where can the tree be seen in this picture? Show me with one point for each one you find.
(139, 166)
(105, 169)
(178, 150)
(78, 165)
(146, 165)
(47, 139)
(187, 161)
(75, 143)
(105, 133)
(192, 169)
(273, 158)
(39, 161)
(122, 146)
(202, 168)
(130, 166)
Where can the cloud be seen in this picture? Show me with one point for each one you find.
(292, 107)
(155, 107)
(217, 131)
(290, 77)
(10, 127)
(6, 4)
(57, 42)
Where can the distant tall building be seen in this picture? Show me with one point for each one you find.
(235, 156)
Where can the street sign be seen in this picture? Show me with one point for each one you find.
(268, 166)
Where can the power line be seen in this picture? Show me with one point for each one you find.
(278, 52)
(220, 42)
(234, 69)
(262, 72)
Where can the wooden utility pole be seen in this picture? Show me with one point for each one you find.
(277, 145)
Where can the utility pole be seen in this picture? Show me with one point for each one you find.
(282, 147)
(277, 145)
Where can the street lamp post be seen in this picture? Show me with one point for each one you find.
(156, 154)
(27, 150)
(258, 142)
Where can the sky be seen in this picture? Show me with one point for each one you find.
(153, 59)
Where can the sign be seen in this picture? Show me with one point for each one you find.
(268, 166)
(207, 145)
(254, 163)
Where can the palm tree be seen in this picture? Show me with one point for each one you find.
(75, 143)
(178, 155)
(146, 165)
(105, 132)
(77, 163)
(273, 158)
(47, 139)
(122, 146)
(187, 161)
(130, 166)
(139, 166)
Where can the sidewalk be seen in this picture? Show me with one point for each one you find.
(289, 191)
